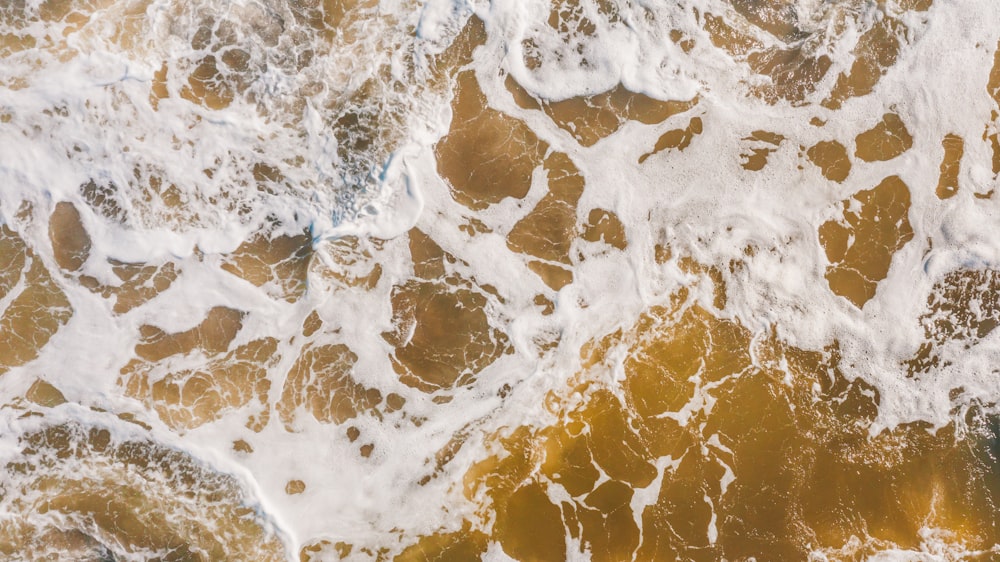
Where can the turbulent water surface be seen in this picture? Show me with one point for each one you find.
(532, 279)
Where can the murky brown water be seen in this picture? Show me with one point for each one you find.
(683, 434)
(860, 251)
(442, 335)
(773, 461)
(831, 157)
(86, 496)
(36, 307)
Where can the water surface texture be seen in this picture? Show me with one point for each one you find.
(532, 280)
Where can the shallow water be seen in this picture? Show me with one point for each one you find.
(532, 280)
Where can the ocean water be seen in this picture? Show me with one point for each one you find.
(530, 280)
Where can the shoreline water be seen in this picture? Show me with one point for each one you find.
(514, 280)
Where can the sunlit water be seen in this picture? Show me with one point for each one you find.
(597, 280)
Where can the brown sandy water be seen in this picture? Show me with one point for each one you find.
(683, 432)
